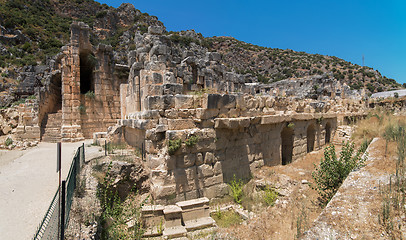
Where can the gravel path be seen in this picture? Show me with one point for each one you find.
(28, 181)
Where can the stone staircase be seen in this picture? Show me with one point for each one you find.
(51, 127)
(175, 221)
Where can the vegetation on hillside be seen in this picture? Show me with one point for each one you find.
(45, 27)
(273, 64)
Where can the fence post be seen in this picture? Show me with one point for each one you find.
(59, 167)
(142, 151)
(63, 196)
(83, 152)
(105, 147)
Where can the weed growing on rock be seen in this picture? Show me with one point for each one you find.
(174, 145)
(9, 141)
(191, 141)
(270, 196)
(90, 94)
(236, 189)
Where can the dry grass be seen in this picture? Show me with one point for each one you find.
(293, 210)
(374, 125)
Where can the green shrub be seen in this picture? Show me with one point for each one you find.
(332, 171)
(174, 145)
(236, 189)
(9, 141)
(191, 141)
(270, 196)
(90, 94)
(101, 14)
(396, 95)
(82, 109)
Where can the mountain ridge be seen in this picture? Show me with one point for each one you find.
(32, 33)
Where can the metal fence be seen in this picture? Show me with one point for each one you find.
(51, 227)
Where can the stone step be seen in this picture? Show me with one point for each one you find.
(51, 134)
(51, 140)
(199, 223)
(174, 232)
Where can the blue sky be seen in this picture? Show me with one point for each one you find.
(346, 29)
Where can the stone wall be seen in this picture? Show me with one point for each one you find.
(90, 86)
(28, 126)
(221, 153)
(236, 134)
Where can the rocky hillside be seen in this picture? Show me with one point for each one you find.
(272, 64)
(32, 33)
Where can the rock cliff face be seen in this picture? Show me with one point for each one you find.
(39, 39)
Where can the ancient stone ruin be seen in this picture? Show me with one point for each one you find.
(197, 125)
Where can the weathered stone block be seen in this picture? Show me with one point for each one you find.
(179, 124)
(227, 101)
(204, 171)
(209, 158)
(154, 162)
(185, 161)
(217, 168)
(169, 77)
(153, 102)
(156, 30)
(153, 90)
(172, 88)
(218, 190)
(212, 101)
(202, 113)
(184, 101)
(199, 159)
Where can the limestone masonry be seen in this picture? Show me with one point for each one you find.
(197, 125)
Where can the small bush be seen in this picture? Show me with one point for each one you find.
(332, 171)
(236, 189)
(270, 196)
(101, 14)
(9, 141)
(90, 94)
(174, 145)
(191, 141)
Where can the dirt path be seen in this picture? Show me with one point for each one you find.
(28, 181)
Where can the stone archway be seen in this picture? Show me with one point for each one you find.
(287, 145)
(311, 137)
(327, 137)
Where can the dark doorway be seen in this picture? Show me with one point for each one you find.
(87, 64)
(328, 133)
(287, 145)
(311, 137)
